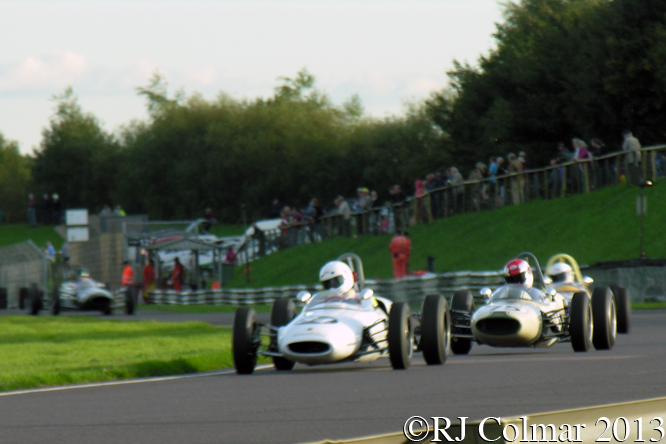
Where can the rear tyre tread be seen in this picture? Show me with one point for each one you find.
(462, 301)
(400, 336)
(282, 313)
(435, 329)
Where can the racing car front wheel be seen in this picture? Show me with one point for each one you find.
(623, 307)
(55, 300)
(400, 336)
(282, 312)
(463, 303)
(580, 322)
(605, 318)
(435, 329)
(243, 343)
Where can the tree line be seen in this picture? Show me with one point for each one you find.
(561, 69)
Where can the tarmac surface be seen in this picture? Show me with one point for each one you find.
(340, 401)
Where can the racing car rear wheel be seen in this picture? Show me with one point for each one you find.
(605, 318)
(35, 300)
(435, 329)
(282, 312)
(130, 300)
(462, 301)
(243, 343)
(580, 322)
(400, 336)
(623, 307)
(55, 300)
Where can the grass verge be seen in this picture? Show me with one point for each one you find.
(48, 351)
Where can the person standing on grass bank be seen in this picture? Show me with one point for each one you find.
(178, 274)
(127, 278)
(148, 279)
(400, 248)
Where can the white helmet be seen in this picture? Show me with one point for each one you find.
(561, 272)
(336, 276)
(519, 271)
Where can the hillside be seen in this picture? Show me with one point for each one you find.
(600, 226)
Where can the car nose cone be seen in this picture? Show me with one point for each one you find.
(317, 343)
(507, 325)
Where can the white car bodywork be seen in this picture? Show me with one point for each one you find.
(334, 328)
(85, 293)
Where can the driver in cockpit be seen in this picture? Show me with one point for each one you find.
(561, 273)
(338, 280)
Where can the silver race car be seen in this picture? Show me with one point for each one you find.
(345, 322)
(525, 313)
(79, 292)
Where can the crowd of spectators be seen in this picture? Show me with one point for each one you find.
(445, 192)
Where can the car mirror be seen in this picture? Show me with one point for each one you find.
(303, 296)
(587, 280)
(485, 292)
(551, 292)
(367, 293)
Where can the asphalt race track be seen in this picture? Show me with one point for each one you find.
(343, 401)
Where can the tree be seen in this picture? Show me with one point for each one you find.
(76, 158)
(14, 180)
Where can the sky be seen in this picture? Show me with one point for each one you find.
(389, 52)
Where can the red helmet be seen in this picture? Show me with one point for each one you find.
(518, 271)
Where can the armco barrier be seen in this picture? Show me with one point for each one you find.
(411, 289)
(639, 417)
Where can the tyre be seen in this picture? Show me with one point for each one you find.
(604, 318)
(435, 329)
(462, 301)
(282, 312)
(130, 301)
(580, 322)
(400, 336)
(35, 300)
(623, 308)
(55, 301)
(243, 344)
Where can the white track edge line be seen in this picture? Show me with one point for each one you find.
(126, 382)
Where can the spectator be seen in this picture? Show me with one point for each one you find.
(230, 257)
(46, 209)
(632, 146)
(285, 225)
(376, 208)
(501, 173)
(397, 199)
(148, 279)
(344, 227)
(275, 209)
(604, 167)
(127, 278)
(317, 212)
(582, 154)
(210, 219)
(400, 248)
(455, 181)
(364, 204)
(260, 238)
(517, 182)
(178, 274)
(32, 217)
(50, 251)
(64, 251)
(296, 229)
(421, 212)
(56, 209)
(106, 211)
(555, 178)
(476, 176)
(119, 211)
(564, 155)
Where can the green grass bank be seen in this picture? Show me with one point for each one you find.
(599, 226)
